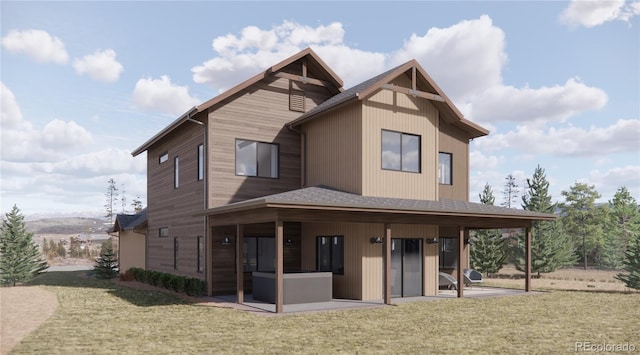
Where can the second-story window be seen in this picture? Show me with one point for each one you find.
(444, 168)
(256, 159)
(400, 151)
(200, 162)
(176, 172)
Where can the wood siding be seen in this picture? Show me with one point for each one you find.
(334, 149)
(399, 112)
(363, 261)
(131, 250)
(259, 115)
(174, 207)
(455, 141)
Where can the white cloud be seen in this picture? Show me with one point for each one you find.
(37, 44)
(101, 66)
(607, 182)
(479, 161)
(594, 13)
(621, 136)
(556, 103)
(161, 95)
(22, 142)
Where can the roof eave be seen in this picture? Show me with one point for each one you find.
(185, 116)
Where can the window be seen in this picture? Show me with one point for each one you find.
(201, 254)
(200, 162)
(400, 151)
(448, 253)
(330, 254)
(256, 159)
(444, 168)
(175, 253)
(258, 254)
(163, 157)
(163, 232)
(176, 172)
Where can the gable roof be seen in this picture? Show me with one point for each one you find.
(130, 221)
(323, 198)
(367, 88)
(313, 60)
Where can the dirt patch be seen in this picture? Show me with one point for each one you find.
(22, 310)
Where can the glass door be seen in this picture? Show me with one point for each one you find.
(406, 267)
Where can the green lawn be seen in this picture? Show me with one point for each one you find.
(97, 316)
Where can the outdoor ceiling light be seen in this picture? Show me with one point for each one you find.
(289, 241)
(225, 241)
(376, 240)
(431, 240)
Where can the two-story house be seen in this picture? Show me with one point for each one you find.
(288, 173)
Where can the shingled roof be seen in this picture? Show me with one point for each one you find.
(130, 221)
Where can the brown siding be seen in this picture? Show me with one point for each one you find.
(455, 141)
(174, 208)
(334, 149)
(131, 249)
(399, 112)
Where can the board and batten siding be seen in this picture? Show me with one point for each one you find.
(131, 246)
(259, 114)
(363, 261)
(455, 141)
(174, 207)
(388, 110)
(334, 149)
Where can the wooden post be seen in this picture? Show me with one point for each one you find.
(459, 273)
(387, 263)
(209, 251)
(279, 266)
(527, 270)
(240, 263)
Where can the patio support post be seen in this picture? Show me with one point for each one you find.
(387, 263)
(209, 245)
(239, 263)
(279, 266)
(459, 274)
(527, 253)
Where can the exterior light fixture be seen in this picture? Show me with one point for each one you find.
(431, 240)
(288, 242)
(225, 241)
(376, 240)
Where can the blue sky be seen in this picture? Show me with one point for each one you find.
(85, 83)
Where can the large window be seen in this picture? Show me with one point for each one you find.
(256, 159)
(444, 168)
(330, 254)
(448, 253)
(259, 254)
(201, 254)
(176, 172)
(400, 151)
(200, 162)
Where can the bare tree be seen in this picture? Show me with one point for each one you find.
(112, 198)
(510, 192)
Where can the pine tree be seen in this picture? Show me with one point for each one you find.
(632, 264)
(488, 250)
(137, 204)
(112, 198)
(106, 266)
(623, 221)
(20, 258)
(551, 247)
(510, 193)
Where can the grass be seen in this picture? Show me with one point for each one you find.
(97, 316)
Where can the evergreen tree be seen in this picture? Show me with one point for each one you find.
(551, 247)
(112, 198)
(488, 251)
(583, 220)
(106, 266)
(632, 264)
(510, 192)
(137, 204)
(20, 258)
(623, 222)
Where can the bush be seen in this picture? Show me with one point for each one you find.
(189, 285)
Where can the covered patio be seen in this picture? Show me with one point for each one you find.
(325, 205)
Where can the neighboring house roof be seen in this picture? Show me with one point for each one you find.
(130, 221)
(367, 88)
(323, 198)
(314, 61)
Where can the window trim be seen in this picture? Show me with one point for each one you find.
(401, 135)
(163, 158)
(257, 174)
(200, 150)
(340, 267)
(450, 182)
(176, 172)
(163, 232)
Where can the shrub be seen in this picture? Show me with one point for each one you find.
(189, 285)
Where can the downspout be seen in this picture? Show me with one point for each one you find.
(303, 155)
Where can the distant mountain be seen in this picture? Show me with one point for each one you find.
(67, 225)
